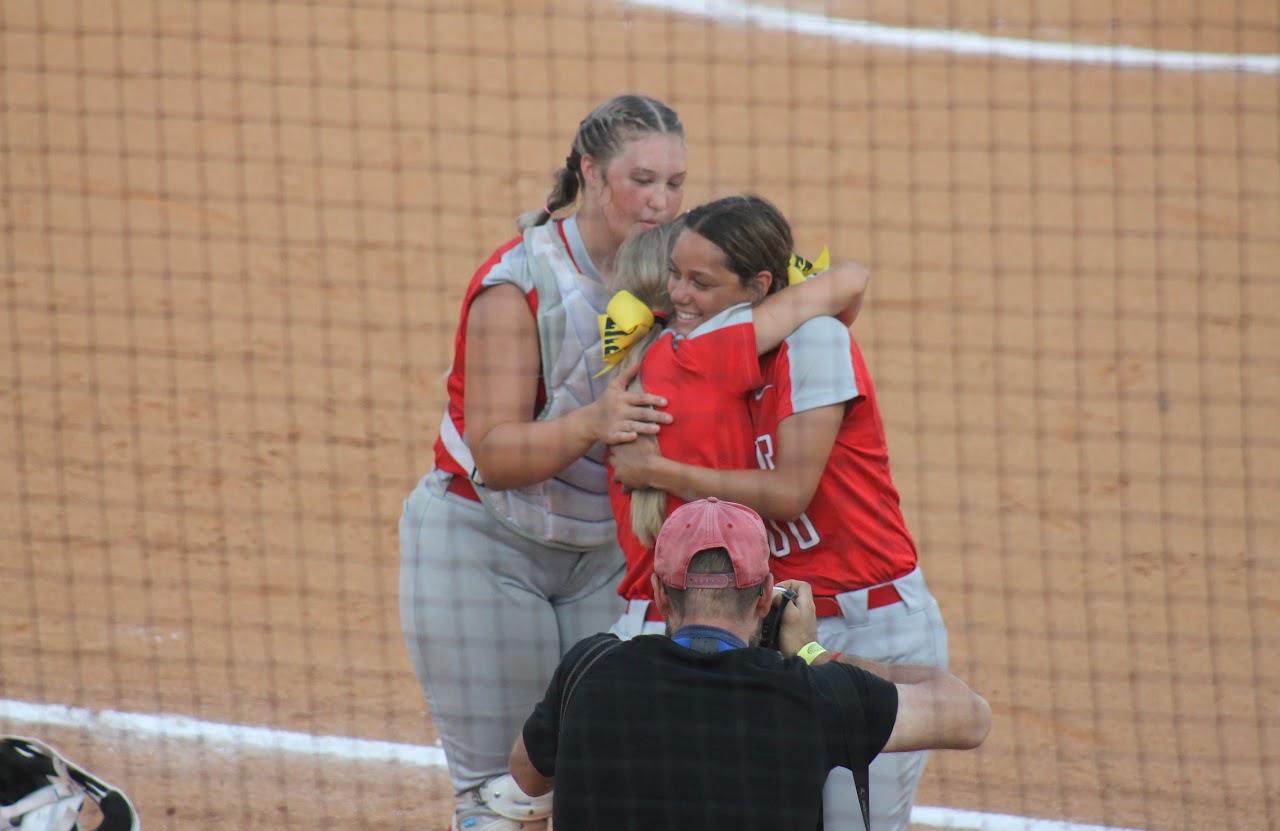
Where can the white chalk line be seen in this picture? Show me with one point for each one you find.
(236, 737)
(953, 818)
(738, 13)
(229, 736)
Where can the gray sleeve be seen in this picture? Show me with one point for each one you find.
(818, 360)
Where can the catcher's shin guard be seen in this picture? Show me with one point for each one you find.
(42, 791)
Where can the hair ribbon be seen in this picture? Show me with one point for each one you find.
(800, 269)
(625, 321)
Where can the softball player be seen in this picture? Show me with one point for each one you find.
(508, 548)
(824, 487)
(705, 372)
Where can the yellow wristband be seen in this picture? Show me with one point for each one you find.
(810, 651)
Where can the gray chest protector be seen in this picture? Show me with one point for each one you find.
(570, 510)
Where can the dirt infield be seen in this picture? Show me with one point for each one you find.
(236, 235)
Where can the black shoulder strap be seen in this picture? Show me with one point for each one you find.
(841, 688)
(593, 653)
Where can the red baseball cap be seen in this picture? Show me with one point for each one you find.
(711, 523)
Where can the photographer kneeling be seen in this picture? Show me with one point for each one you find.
(701, 729)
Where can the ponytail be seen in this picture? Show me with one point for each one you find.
(563, 193)
(641, 269)
(648, 505)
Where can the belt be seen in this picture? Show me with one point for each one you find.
(462, 486)
(877, 597)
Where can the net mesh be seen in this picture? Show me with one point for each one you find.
(235, 241)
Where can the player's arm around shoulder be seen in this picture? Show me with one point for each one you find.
(837, 293)
(504, 365)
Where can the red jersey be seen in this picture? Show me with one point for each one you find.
(853, 534)
(706, 379)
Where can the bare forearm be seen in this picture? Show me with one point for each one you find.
(528, 777)
(837, 292)
(895, 673)
(523, 453)
(935, 708)
(855, 279)
(850, 313)
(768, 493)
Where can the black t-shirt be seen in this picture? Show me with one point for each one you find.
(657, 736)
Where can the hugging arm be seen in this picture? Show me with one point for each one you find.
(503, 368)
(837, 292)
(781, 493)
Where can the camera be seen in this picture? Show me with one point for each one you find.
(771, 628)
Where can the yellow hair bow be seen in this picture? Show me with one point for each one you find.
(799, 269)
(625, 321)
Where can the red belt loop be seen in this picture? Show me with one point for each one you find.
(461, 486)
(826, 606)
(885, 595)
(877, 597)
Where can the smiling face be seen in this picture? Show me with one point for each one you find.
(641, 187)
(701, 285)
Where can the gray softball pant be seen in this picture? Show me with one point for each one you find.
(486, 616)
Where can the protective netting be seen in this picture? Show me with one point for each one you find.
(235, 238)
